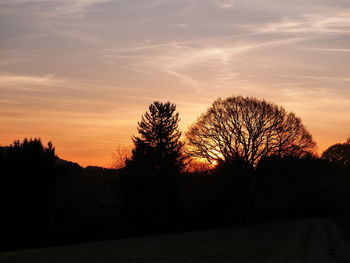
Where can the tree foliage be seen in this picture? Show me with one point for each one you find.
(26, 176)
(338, 153)
(158, 145)
(249, 129)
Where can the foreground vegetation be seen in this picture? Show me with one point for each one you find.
(278, 242)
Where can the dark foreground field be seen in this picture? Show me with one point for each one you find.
(309, 240)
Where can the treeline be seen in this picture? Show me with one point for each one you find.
(266, 171)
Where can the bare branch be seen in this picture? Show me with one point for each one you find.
(249, 129)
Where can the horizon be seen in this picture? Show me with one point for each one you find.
(82, 73)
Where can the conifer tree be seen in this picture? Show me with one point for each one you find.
(158, 145)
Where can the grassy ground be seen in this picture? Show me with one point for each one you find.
(271, 242)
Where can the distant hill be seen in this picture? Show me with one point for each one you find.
(75, 167)
(62, 162)
(97, 170)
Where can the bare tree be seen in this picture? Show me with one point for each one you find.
(120, 155)
(248, 129)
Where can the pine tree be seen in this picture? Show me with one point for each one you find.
(150, 184)
(157, 147)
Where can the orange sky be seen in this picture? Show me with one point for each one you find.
(81, 73)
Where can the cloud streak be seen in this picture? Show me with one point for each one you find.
(15, 80)
(55, 7)
(338, 22)
(225, 3)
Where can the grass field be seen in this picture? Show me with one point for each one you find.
(271, 242)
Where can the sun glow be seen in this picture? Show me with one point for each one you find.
(214, 163)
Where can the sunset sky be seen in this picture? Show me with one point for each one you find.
(82, 72)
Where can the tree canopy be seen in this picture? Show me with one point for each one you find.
(27, 174)
(338, 153)
(249, 129)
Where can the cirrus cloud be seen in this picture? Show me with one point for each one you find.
(225, 3)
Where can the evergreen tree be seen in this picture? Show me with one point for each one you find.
(158, 147)
(150, 183)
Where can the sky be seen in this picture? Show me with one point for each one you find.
(81, 73)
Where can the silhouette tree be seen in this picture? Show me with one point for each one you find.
(158, 146)
(150, 182)
(25, 184)
(249, 129)
(338, 153)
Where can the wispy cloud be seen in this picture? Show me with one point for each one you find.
(190, 62)
(181, 25)
(10, 61)
(10, 80)
(338, 22)
(55, 7)
(345, 50)
(320, 78)
(78, 6)
(183, 54)
(45, 82)
(225, 3)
